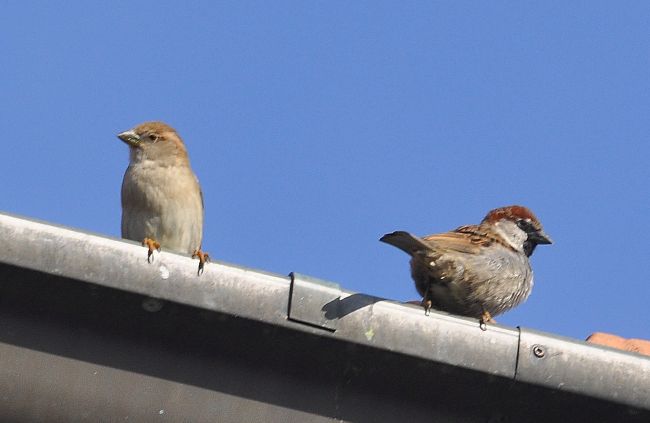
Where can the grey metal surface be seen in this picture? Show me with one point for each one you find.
(120, 264)
(73, 351)
(565, 364)
(314, 301)
(243, 343)
(50, 388)
(256, 295)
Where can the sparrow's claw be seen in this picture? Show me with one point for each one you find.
(426, 302)
(485, 319)
(427, 306)
(153, 245)
(203, 258)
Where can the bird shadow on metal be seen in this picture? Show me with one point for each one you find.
(339, 308)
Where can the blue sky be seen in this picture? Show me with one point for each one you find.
(316, 127)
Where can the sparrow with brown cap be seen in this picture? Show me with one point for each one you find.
(475, 270)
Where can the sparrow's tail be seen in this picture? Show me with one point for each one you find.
(405, 241)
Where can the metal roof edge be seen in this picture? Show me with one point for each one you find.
(307, 304)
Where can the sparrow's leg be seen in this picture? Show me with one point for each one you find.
(426, 301)
(203, 258)
(153, 245)
(485, 319)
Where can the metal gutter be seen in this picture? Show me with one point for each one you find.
(322, 310)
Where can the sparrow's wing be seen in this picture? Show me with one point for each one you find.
(406, 242)
(466, 239)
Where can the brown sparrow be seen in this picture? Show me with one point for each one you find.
(476, 270)
(162, 202)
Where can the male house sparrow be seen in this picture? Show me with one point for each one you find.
(476, 270)
(162, 202)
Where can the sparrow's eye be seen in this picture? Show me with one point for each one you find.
(153, 137)
(526, 225)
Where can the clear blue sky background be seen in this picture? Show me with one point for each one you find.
(316, 127)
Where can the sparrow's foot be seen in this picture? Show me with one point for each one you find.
(203, 258)
(427, 306)
(426, 302)
(153, 245)
(485, 319)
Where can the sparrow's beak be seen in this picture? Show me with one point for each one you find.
(540, 237)
(130, 137)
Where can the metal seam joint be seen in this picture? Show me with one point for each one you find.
(314, 301)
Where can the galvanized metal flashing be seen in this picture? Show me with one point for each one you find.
(565, 364)
(322, 309)
(314, 301)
